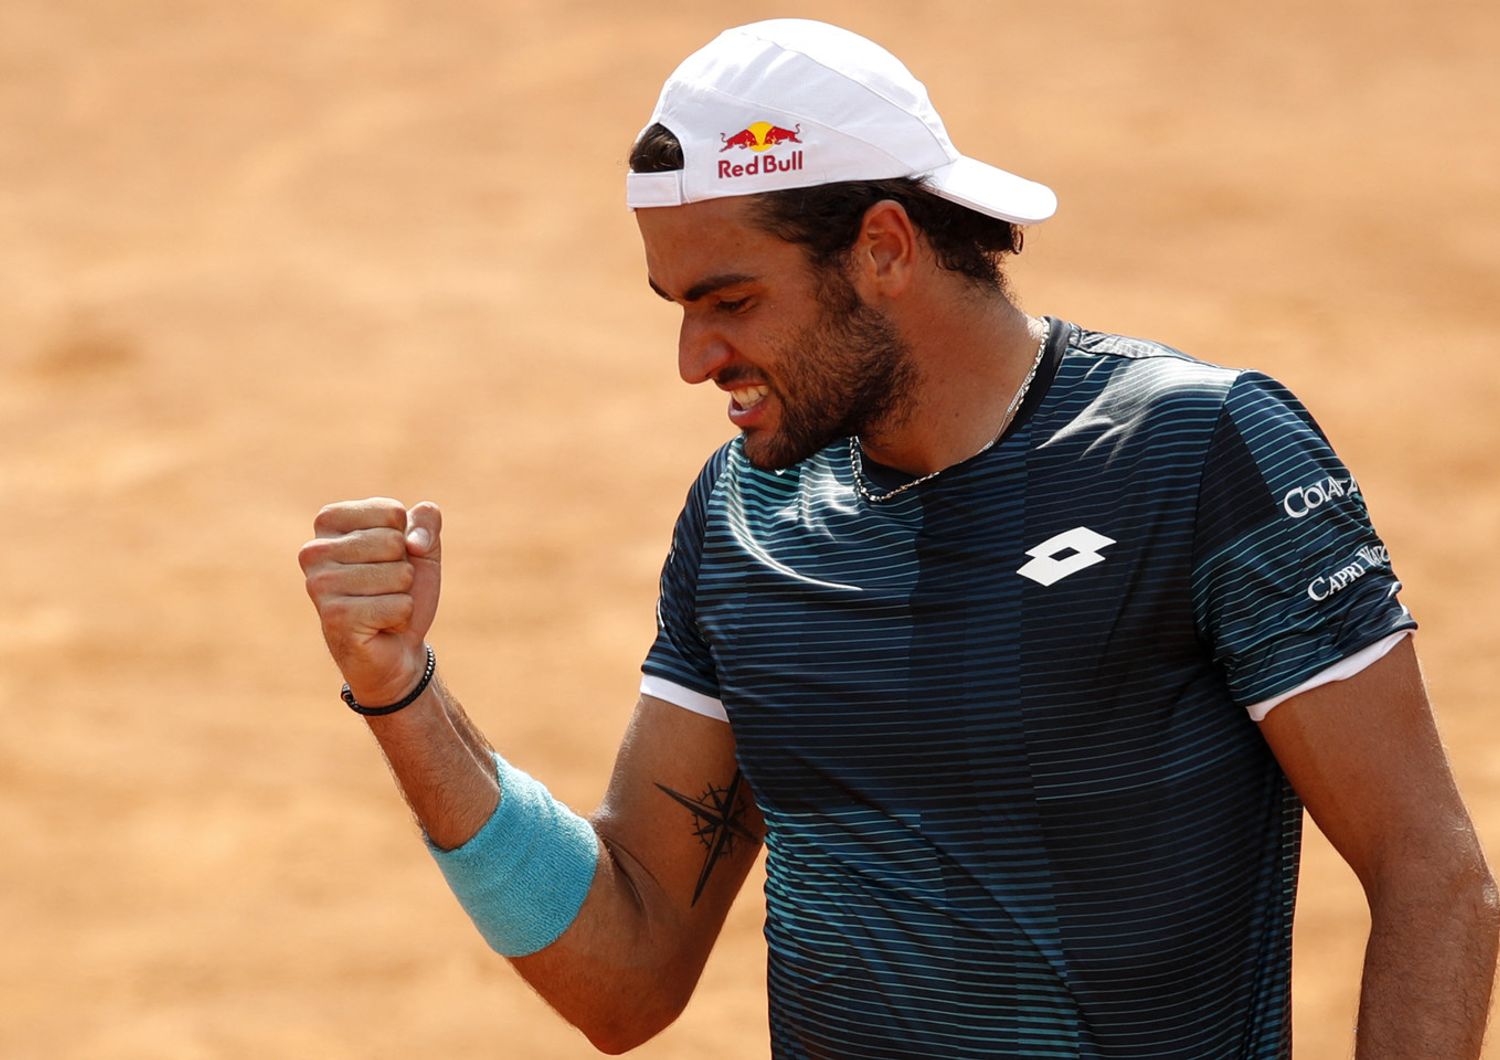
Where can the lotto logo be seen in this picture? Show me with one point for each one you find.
(1078, 549)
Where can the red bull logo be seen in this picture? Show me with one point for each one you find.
(743, 138)
(758, 137)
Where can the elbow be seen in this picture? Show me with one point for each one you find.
(616, 1033)
(635, 1017)
(616, 1039)
(612, 1045)
(1487, 901)
(1470, 886)
(1456, 880)
(1481, 902)
(1471, 889)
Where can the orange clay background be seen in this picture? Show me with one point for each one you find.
(259, 257)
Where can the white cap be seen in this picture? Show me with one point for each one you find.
(791, 103)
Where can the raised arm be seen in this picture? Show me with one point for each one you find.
(666, 852)
(1365, 758)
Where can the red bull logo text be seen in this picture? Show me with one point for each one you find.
(758, 137)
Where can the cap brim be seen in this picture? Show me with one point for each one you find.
(993, 191)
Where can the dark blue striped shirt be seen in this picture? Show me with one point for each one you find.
(998, 725)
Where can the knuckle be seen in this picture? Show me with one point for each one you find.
(308, 555)
(330, 515)
(387, 511)
(320, 581)
(392, 605)
(388, 544)
(334, 611)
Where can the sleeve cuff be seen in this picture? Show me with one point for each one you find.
(686, 698)
(1342, 670)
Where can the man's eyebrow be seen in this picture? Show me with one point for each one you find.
(705, 287)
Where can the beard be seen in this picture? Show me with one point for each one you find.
(845, 374)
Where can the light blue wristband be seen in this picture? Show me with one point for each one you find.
(523, 876)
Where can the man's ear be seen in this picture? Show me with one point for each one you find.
(885, 255)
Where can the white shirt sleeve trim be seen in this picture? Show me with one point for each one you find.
(686, 698)
(1342, 670)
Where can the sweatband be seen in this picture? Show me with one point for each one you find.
(523, 876)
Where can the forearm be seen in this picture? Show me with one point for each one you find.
(616, 972)
(1429, 968)
(442, 765)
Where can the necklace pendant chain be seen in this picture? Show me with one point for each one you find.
(856, 458)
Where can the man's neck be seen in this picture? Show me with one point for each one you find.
(973, 353)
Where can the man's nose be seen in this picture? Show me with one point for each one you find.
(701, 351)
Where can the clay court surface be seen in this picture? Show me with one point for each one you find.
(258, 257)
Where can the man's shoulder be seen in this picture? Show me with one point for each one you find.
(730, 486)
(1136, 377)
(1156, 370)
(720, 460)
(1148, 356)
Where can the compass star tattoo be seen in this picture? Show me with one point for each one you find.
(716, 823)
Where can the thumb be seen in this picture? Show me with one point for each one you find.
(424, 528)
(424, 544)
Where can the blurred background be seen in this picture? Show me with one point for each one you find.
(259, 257)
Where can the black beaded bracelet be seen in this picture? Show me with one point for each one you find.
(412, 696)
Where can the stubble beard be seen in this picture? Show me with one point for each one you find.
(849, 373)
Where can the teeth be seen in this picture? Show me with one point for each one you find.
(750, 396)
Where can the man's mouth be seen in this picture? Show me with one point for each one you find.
(747, 397)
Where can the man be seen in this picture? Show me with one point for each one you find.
(1021, 646)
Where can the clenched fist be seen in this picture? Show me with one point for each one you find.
(373, 572)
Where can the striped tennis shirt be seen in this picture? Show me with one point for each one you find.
(1002, 726)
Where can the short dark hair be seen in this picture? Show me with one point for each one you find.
(825, 219)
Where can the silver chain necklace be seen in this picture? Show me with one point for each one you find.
(857, 461)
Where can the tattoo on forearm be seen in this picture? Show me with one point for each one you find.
(716, 822)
